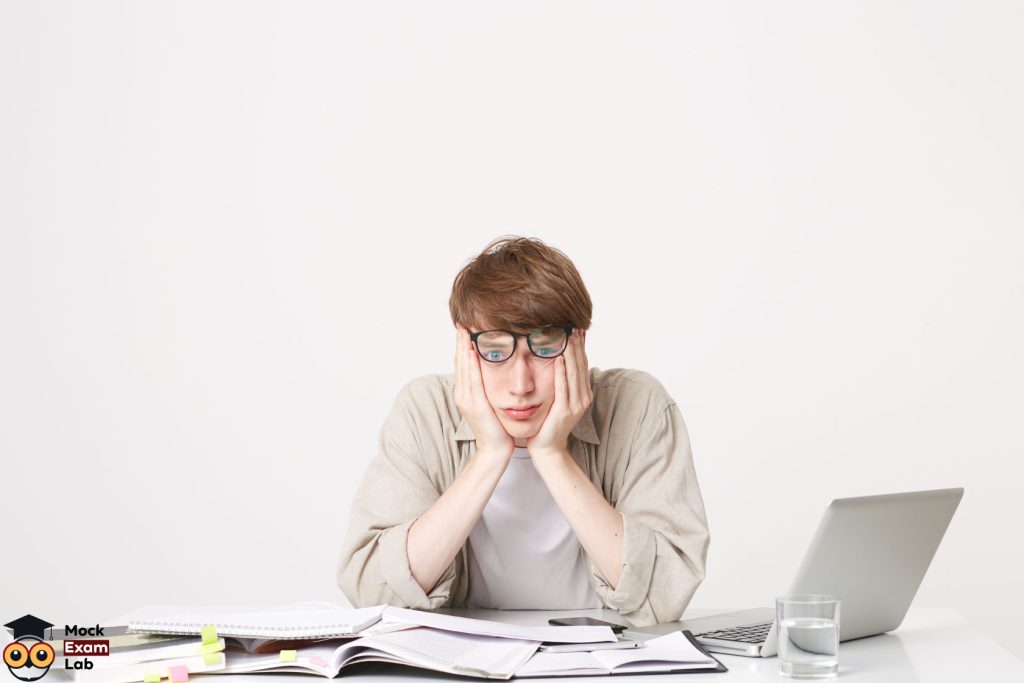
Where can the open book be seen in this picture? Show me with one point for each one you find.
(426, 648)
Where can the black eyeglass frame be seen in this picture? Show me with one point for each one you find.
(515, 341)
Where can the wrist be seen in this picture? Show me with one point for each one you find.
(552, 456)
(491, 459)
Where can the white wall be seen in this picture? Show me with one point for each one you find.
(804, 218)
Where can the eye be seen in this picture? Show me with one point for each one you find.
(41, 655)
(494, 355)
(15, 655)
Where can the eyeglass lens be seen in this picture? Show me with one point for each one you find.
(496, 346)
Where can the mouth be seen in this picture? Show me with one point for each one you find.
(521, 414)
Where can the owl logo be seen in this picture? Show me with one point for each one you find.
(28, 656)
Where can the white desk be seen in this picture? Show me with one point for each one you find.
(932, 645)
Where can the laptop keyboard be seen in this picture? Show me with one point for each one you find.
(755, 633)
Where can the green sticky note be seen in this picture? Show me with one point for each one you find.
(151, 678)
(211, 658)
(207, 648)
(288, 655)
(209, 633)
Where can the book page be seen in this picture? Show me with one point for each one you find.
(313, 658)
(130, 673)
(454, 652)
(561, 664)
(671, 651)
(482, 627)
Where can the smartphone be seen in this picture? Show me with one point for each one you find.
(586, 621)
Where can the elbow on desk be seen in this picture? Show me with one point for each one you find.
(350, 579)
(670, 591)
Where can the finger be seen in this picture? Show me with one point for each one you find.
(460, 372)
(466, 356)
(561, 397)
(583, 368)
(571, 374)
(458, 346)
(475, 376)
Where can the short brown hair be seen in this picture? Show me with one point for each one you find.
(519, 284)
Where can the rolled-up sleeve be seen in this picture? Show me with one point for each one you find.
(395, 490)
(665, 532)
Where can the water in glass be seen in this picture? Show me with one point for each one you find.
(809, 647)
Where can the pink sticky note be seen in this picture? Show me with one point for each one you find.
(317, 661)
(178, 673)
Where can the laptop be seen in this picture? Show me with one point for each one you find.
(872, 552)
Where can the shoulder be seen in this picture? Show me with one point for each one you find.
(428, 401)
(629, 387)
(427, 389)
(421, 426)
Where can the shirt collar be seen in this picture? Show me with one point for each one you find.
(583, 431)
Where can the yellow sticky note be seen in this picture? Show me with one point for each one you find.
(211, 658)
(151, 678)
(215, 646)
(209, 634)
(288, 655)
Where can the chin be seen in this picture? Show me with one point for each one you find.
(522, 430)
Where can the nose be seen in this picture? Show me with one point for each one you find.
(520, 378)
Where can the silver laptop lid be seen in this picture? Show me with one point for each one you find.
(873, 553)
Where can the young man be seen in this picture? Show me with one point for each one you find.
(528, 480)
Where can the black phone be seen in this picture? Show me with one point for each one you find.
(586, 621)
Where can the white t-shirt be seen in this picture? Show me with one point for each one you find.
(522, 552)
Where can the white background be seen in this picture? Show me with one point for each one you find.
(228, 232)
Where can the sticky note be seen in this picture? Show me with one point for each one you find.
(178, 673)
(211, 658)
(215, 646)
(288, 655)
(209, 634)
(151, 678)
(317, 661)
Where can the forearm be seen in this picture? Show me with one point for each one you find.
(597, 524)
(438, 534)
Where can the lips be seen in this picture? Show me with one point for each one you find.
(521, 414)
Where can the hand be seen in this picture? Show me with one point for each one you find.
(572, 398)
(472, 402)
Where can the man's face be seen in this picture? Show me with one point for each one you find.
(524, 380)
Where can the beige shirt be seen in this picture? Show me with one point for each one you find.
(631, 443)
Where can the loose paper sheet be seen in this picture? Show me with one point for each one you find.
(481, 627)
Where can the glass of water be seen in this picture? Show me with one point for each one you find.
(808, 630)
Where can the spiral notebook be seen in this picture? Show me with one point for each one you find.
(291, 624)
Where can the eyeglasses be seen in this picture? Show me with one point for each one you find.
(495, 346)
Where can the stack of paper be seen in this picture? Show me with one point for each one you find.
(324, 639)
(145, 657)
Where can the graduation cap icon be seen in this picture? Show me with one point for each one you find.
(28, 657)
(29, 625)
